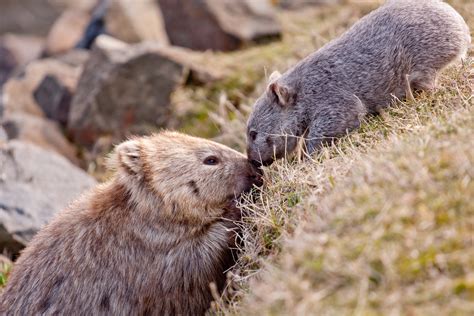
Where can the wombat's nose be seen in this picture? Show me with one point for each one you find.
(256, 163)
(255, 175)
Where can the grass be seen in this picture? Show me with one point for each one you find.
(381, 222)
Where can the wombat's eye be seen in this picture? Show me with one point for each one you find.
(211, 161)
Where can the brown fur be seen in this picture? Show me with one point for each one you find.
(149, 241)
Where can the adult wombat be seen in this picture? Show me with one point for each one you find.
(148, 242)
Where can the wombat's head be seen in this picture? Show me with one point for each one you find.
(274, 125)
(193, 177)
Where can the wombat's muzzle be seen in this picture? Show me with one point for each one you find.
(259, 164)
(255, 175)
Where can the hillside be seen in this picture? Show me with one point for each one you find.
(379, 223)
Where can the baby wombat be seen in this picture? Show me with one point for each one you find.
(398, 47)
(149, 241)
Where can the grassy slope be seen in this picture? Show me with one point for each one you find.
(380, 223)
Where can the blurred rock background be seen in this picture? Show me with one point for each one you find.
(77, 76)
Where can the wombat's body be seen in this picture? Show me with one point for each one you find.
(148, 242)
(398, 47)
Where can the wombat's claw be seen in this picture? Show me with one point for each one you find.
(408, 91)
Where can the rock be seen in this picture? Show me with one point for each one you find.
(67, 31)
(25, 48)
(124, 89)
(7, 64)
(34, 185)
(27, 16)
(3, 136)
(39, 131)
(218, 24)
(297, 4)
(196, 69)
(54, 99)
(135, 21)
(83, 5)
(18, 92)
(17, 51)
(74, 58)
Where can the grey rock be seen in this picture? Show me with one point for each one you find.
(124, 89)
(197, 71)
(34, 185)
(218, 24)
(27, 16)
(66, 31)
(3, 136)
(74, 58)
(54, 99)
(39, 131)
(135, 21)
(16, 51)
(7, 64)
(18, 91)
(297, 4)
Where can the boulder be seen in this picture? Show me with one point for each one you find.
(7, 64)
(83, 5)
(16, 51)
(25, 48)
(197, 70)
(34, 185)
(39, 131)
(135, 21)
(218, 24)
(67, 31)
(3, 136)
(54, 98)
(76, 58)
(124, 89)
(297, 4)
(27, 16)
(18, 92)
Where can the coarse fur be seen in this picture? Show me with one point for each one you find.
(148, 242)
(396, 48)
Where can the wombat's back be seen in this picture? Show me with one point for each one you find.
(402, 37)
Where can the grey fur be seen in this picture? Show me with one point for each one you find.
(398, 47)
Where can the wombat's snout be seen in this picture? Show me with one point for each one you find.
(252, 177)
(257, 158)
(255, 175)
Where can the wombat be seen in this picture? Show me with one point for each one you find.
(149, 241)
(398, 47)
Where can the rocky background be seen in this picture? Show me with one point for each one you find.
(77, 76)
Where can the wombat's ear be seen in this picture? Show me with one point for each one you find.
(284, 94)
(128, 154)
(274, 76)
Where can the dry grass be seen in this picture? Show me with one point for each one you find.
(380, 223)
